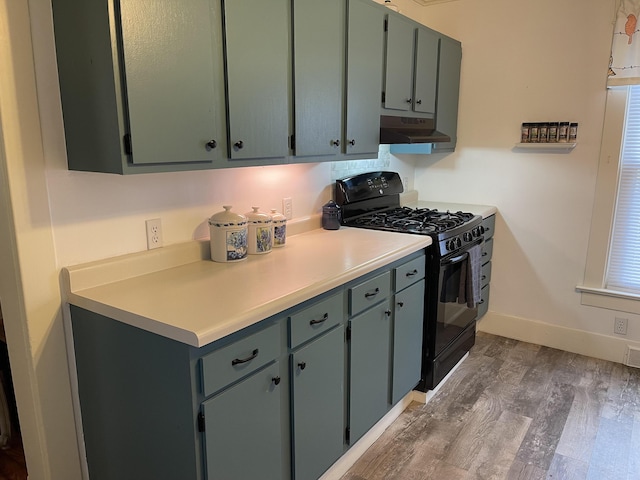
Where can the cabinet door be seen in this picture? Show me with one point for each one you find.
(448, 92)
(170, 63)
(407, 340)
(319, 37)
(365, 43)
(244, 428)
(318, 404)
(257, 58)
(399, 63)
(369, 369)
(426, 71)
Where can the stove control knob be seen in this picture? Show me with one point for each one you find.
(458, 242)
(467, 236)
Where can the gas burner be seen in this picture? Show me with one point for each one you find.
(420, 220)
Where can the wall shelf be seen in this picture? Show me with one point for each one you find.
(549, 147)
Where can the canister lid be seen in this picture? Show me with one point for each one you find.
(278, 218)
(256, 216)
(227, 218)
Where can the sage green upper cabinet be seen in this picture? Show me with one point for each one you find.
(258, 78)
(319, 39)
(448, 92)
(426, 71)
(399, 63)
(141, 84)
(411, 66)
(365, 47)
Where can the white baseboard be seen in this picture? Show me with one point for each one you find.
(571, 340)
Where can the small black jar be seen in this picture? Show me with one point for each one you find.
(330, 216)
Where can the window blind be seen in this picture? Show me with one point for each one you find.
(623, 271)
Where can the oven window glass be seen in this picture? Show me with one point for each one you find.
(454, 314)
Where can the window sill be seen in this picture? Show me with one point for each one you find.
(610, 299)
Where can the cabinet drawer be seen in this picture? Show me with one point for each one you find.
(369, 293)
(483, 306)
(485, 275)
(409, 273)
(230, 363)
(489, 225)
(487, 251)
(315, 319)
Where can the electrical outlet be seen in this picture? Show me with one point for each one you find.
(287, 207)
(154, 233)
(620, 326)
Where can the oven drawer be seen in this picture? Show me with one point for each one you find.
(487, 250)
(409, 273)
(369, 293)
(485, 275)
(489, 225)
(315, 319)
(233, 362)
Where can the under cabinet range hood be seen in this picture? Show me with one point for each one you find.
(394, 130)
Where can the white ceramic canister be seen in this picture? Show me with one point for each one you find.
(228, 236)
(260, 238)
(279, 228)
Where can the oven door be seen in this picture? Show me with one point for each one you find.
(454, 314)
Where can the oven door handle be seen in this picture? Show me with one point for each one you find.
(453, 260)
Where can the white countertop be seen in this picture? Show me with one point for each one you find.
(175, 293)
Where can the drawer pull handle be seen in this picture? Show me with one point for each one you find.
(324, 318)
(411, 274)
(253, 355)
(387, 313)
(484, 254)
(401, 304)
(372, 294)
(276, 380)
(484, 277)
(480, 302)
(302, 365)
(210, 145)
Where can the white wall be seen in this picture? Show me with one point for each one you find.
(529, 62)
(521, 62)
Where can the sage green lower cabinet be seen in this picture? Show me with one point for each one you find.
(489, 225)
(407, 339)
(317, 378)
(369, 368)
(281, 399)
(244, 429)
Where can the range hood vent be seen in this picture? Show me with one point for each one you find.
(402, 130)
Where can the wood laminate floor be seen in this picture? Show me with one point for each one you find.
(515, 410)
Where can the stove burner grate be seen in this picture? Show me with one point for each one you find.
(420, 220)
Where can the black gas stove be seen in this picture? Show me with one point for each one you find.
(372, 201)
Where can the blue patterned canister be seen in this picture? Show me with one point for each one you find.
(228, 236)
(279, 228)
(260, 238)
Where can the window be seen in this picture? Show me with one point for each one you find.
(623, 272)
(615, 228)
